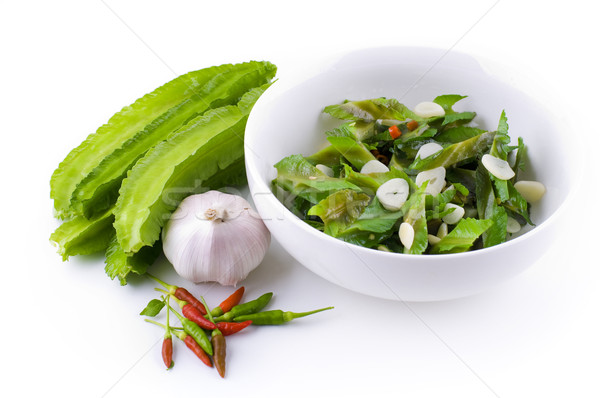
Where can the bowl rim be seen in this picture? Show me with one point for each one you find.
(278, 89)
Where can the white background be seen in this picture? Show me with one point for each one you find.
(68, 330)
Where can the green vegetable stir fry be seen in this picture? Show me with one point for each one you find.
(421, 181)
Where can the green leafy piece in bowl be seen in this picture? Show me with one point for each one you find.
(461, 188)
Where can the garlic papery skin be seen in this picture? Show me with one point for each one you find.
(215, 237)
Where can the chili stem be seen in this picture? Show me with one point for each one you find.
(177, 314)
(171, 288)
(288, 315)
(216, 331)
(168, 328)
(156, 323)
(181, 303)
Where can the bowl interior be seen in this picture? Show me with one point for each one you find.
(291, 119)
(288, 120)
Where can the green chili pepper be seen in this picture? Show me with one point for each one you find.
(246, 308)
(196, 332)
(275, 317)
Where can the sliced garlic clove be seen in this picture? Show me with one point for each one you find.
(531, 191)
(406, 234)
(328, 171)
(429, 109)
(512, 225)
(436, 178)
(392, 194)
(499, 168)
(428, 149)
(442, 230)
(455, 216)
(374, 166)
(432, 239)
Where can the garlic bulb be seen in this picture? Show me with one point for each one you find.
(215, 237)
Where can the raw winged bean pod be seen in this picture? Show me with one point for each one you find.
(117, 188)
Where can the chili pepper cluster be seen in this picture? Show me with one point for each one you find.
(198, 321)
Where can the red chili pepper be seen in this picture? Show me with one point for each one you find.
(189, 342)
(228, 303)
(394, 132)
(413, 124)
(192, 313)
(229, 328)
(167, 347)
(181, 293)
(167, 352)
(196, 349)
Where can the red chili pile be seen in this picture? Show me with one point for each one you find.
(198, 321)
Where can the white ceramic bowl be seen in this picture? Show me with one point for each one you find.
(287, 120)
